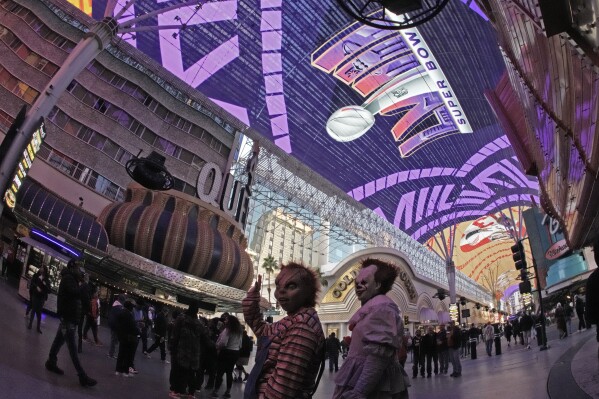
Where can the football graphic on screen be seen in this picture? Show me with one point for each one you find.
(349, 123)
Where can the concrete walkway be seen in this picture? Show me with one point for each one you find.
(517, 373)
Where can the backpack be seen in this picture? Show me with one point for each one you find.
(188, 347)
(113, 316)
(246, 346)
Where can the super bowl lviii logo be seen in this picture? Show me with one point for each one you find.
(399, 78)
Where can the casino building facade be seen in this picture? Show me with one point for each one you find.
(164, 245)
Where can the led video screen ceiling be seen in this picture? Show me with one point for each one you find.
(397, 119)
(482, 251)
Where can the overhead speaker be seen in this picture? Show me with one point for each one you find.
(392, 14)
(401, 6)
(556, 16)
(441, 294)
(150, 172)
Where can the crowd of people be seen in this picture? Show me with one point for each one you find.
(292, 352)
(431, 347)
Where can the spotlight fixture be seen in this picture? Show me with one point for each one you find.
(478, 306)
(462, 301)
(392, 14)
(150, 172)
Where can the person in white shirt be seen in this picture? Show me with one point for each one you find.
(227, 346)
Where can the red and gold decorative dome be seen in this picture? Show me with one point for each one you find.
(182, 232)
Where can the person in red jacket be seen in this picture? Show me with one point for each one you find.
(91, 320)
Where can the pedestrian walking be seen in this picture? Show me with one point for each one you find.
(227, 347)
(127, 333)
(333, 348)
(160, 326)
(526, 325)
(579, 304)
(68, 309)
(454, 343)
(189, 335)
(489, 336)
(560, 317)
(116, 308)
(39, 289)
(443, 349)
(473, 337)
(418, 354)
(507, 331)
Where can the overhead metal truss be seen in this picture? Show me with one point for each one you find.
(282, 182)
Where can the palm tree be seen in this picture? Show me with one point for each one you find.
(269, 265)
(323, 280)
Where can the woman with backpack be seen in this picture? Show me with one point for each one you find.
(227, 346)
(247, 345)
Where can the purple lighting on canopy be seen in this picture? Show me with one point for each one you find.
(54, 241)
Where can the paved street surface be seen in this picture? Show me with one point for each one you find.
(568, 370)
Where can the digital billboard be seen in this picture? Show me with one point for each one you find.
(397, 119)
(555, 260)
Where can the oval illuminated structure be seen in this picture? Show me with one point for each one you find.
(182, 232)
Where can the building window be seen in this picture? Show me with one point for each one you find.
(82, 173)
(17, 87)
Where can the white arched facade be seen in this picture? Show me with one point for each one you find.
(412, 294)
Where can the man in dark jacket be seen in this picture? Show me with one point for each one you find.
(429, 347)
(189, 336)
(117, 307)
(454, 342)
(592, 292)
(473, 340)
(127, 333)
(442, 349)
(160, 324)
(85, 289)
(38, 294)
(418, 355)
(69, 310)
(579, 304)
(526, 325)
(333, 348)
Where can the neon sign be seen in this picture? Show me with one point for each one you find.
(453, 312)
(10, 197)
